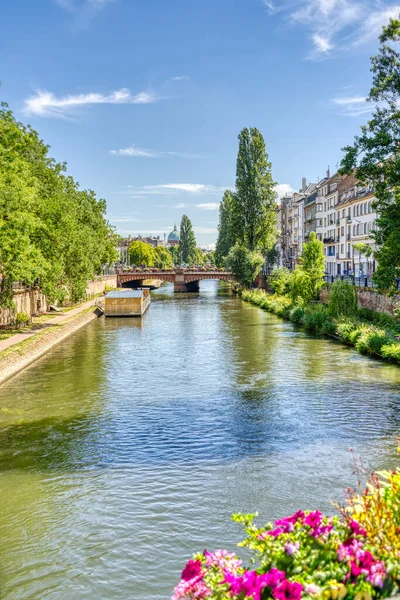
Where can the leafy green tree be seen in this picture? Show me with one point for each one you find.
(280, 280)
(225, 239)
(210, 257)
(187, 244)
(199, 257)
(162, 258)
(244, 264)
(254, 204)
(174, 251)
(142, 254)
(375, 155)
(313, 263)
(342, 299)
(52, 234)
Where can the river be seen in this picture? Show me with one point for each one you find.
(129, 446)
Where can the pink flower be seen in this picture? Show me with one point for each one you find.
(275, 532)
(273, 577)
(288, 591)
(192, 570)
(291, 548)
(377, 575)
(356, 528)
(323, 530)
(312, 588)
(313, 519)
(195, 589)
(287, 524)
(223, 559)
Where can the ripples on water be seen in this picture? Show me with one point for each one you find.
(129, 446)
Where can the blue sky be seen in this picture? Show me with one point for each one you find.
(144, 99)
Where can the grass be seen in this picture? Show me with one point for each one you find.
(371, 333)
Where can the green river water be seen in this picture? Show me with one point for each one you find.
(128, 446)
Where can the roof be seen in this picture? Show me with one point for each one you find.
(125, 294)
(174, 236)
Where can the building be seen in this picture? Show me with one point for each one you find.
(123, 250)
(126, 303)
(339, 209)
(173, 238)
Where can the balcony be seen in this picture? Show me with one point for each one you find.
(348, 237)
(338, 238)
(337, 256)
(328, 240)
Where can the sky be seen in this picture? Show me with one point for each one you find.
(144, 99)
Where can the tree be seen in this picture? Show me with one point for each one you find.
(52, 234)
(142, 254)
(313, 263)
(162, 258)
(225, 239)
(280, 280)
(199, 257)
(187, 244)
(375, 155)
(244, 264)
(174, 251)
(254, 203)
(210, 257)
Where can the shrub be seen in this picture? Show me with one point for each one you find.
(317, 319)
(379, 318)
(22, 318)
(280, 281)
(244, 264)
(371, 340)
(391, 352)
(301, 288)
(342, 299)
(297, 314)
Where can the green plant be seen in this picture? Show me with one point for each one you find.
(371, 340)
(342, 299)
(297, 314)
(22, 318)
(280, 281)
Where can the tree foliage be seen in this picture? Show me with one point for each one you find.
(280, 280)
(187, 244)
(244, 264)
(141, 254)
(375, 154)
(52, 234)
(162, 258)
(225, 239)
(254, 203)
(308, 276)
(199, 257)
(342, 299)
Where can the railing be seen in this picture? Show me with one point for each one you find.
(357, 281)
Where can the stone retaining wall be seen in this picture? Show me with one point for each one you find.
(18, 358)
(368, 298)
(33, 302)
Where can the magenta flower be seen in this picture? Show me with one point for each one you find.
(274, 577)
(288, 591)
(313, 519)
(191, 570)
(275, 532)
(251, 584)
(191, 589)
(377, 575)
(291, 548)
(356, 528)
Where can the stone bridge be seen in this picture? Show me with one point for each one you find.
(184, 280)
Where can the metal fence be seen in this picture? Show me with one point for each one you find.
(363, 281)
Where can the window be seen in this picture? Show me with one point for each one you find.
(349, 212)
(342, 230)
(354, 211)
(341, 248)
(369, 207)
(365, 227)
(354, 230)
(361, 209)
(325, 222)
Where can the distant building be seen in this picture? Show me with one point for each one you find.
(173, 238)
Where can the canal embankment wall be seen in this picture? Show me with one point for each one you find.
(32, 302)
(20, 356)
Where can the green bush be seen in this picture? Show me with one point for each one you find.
(371, 341)
(22, 318)
(342, 299)
(391, 351)
(280, 281)
(297, 314)
(379, 318)
(318, 320)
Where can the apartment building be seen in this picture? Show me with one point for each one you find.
(340, 211)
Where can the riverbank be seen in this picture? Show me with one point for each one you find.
(22, 349)
(371, 333)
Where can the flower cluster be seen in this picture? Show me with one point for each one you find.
(361, 562)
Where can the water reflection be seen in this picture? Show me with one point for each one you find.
(132, 443)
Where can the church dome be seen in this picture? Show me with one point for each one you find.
(174, 236)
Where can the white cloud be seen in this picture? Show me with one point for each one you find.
(46, 104)
(284, 189)
(208, 206)
(180, 78)
(121, 219)
(143, 153)
(336, 25)
(353, 106)
(191, 188)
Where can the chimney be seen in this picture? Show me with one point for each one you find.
(303, 184)
(328, 173)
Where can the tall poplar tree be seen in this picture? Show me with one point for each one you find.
(225, 239)
(254, 204)
(187, 244)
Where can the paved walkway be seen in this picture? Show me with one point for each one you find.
(24, 335)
